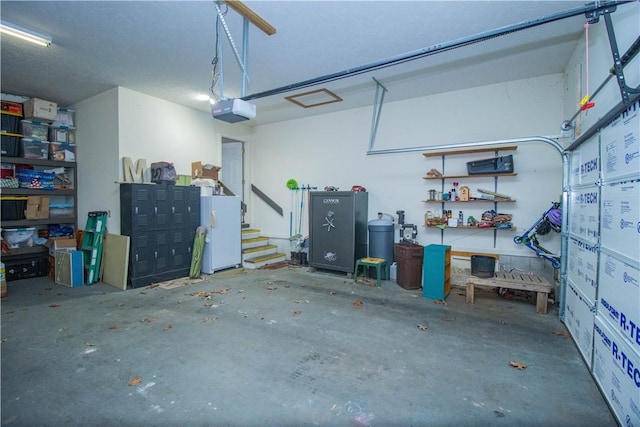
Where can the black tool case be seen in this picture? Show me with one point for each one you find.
(503, 164)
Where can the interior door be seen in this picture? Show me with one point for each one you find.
(233, 166)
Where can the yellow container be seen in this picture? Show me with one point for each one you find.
(3, 281)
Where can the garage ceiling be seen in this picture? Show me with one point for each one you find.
(164, 49)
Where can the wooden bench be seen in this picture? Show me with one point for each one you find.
(521, 282)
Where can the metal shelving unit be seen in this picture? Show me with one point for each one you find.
(70, 167)
(442, 178)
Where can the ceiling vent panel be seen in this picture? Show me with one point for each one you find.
(314, 98)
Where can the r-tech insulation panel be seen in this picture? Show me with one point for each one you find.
(338, 229)
(602, 280)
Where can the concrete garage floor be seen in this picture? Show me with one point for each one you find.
(285, 347)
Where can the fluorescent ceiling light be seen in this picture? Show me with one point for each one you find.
(24, 34)
(202, 97)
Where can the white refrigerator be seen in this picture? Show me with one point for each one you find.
(222, 218)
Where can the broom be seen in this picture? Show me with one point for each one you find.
(292, 184)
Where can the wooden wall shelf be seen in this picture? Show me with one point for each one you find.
(469, 151)
(483, 175)
(469, 201)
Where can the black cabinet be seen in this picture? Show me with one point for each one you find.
(161, 221)
(338, 229)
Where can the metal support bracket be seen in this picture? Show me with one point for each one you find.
(593, 16)
(242, 61)
(245, 54)
(377, 110)
(617, 70)
(618, 65)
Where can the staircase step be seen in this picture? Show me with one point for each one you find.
(261, 261)
(254, 241)
(250, 233)
(259, 251)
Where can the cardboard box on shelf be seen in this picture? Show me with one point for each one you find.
(198, 170)
(58, 243)
(37, 207)
(40, 109)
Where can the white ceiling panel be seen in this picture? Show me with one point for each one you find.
(165, 49)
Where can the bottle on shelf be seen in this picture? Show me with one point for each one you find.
(427, 216)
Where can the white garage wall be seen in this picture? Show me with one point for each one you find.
(331, 149)
(97, 136)
(124, 123)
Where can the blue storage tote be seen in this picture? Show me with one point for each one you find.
(28, 178)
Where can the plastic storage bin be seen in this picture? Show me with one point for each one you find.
(34, 148)
(64, 117)
(35, 179)
(10, 144)
(10, 122)
(12, 207)
(34, 129)
(62, 134)
(62, 151)
(19, 237)
(7, 170)
(10, 107)
(57, 210)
